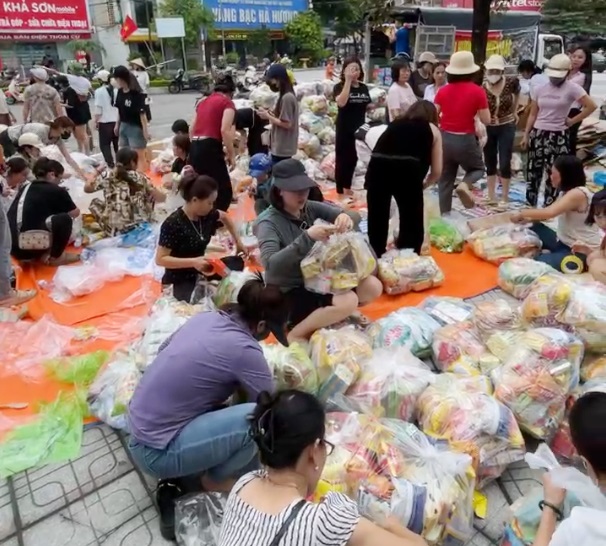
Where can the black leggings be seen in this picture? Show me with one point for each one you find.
(60, 226)
(108, 140)
(573, 131)
(207, 158)
(346, 159)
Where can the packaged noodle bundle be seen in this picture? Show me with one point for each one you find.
(496, 315)
(403, 271)
(427, 487)
(593, 367)
(458, 348)
(445, 236)
(339, 264)
(390, 383)
(547, 298)
(407, 327)
(500, 243)
(537, 377)
(447, 310)
(462, 411)
(229, 287)
(337, 355)
(517, 275)
(292, 367)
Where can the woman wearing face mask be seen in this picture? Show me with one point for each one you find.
(289, 429)
(546, 136)
(179, 423)
(503, 94)
(284, 120)
(400, 96)
(581, 73)
(439, 81)
(352, 98)
(185, 234)
(287, 231)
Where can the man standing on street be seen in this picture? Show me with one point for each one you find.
(106, 117)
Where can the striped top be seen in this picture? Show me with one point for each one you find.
(330, 523)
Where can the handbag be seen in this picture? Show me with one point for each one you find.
(293, 514)
(33, 239)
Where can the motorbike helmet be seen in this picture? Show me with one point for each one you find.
(259, 164)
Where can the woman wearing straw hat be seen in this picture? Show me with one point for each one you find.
(547, 136)
(459, 104)
(138, 67)
(503, 94)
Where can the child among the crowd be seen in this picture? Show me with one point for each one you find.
(181, 144)
(596, 260)
(129, 196)
(585, 526)
(180, 127)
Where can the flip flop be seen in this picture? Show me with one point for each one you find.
(464, 193)
(18, 297)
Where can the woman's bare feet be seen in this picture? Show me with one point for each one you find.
(464, 192)
(65, 259)
(17, 297)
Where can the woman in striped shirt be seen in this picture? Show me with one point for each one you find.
(268, 508)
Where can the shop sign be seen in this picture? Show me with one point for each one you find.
(513, 45)
(52, 18)
(510, 5)
(41, 37)
(254, 14)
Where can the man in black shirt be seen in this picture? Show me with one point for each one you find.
(247, 118)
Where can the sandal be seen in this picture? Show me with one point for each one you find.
(359, 319)
(18, 297)
(463, 191)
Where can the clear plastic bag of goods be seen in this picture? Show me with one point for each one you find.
(163, 162)
(446, 309)
(376, 113)
(309, 144)
(307, 89)
(327, 88)
(314, 170)
(198, 519)
(409, 327)
(263, 97)
(491, 316)
(538, 375)
(314, 124)
(517, 275)
(378, 95)
(229, 287)
(428, 488)
(546, 300)
(327, 135)
(390, 384)
(500, 243)
(72, 281)
(586, 312)
(338, 264)
(316, 104)
(337, 356)
(593, 367)
(403, 271)
(459, 349)
(445, 236)
(461, 411)
(111, 392)
(292, 367)
(328, 165)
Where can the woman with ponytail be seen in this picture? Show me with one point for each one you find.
(269, 507)
(128, 196)
(179, 422)
(185, 234)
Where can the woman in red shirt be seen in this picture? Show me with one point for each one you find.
(460, 103)
(212, 129)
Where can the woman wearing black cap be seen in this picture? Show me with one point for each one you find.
(286, 233)
(284, 120)
(212, 129)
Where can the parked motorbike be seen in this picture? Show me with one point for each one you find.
(189, 82)
(13, 94)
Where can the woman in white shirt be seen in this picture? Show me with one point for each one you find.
(439, 78)
(400, 95)
(140, 72)
(268, 508)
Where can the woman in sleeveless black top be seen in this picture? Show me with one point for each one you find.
(398, 168)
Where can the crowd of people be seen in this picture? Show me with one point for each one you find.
(441, 120)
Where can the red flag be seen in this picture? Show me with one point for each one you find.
(128, 28)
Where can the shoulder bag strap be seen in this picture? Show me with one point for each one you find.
(291, 517)
(20, 205)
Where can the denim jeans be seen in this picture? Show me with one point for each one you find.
(216, 444)
(5, 254)
(557, 249)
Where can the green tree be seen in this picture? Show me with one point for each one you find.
(90, 46)
(304, 32)
(259, 42)
(572, 17)
(195, 17)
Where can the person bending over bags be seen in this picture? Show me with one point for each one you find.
(41, 217)
(128, 196)
(286, 233)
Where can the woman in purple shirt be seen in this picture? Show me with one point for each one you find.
(179, 422)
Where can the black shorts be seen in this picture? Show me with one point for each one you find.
(302, 303)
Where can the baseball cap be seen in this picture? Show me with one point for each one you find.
(30, 139)
(290, 175)
(103, 75)
(259, 164)
(276, 71)
(558, 66)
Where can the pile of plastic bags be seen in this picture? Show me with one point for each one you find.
(546, 299)
(517, 275)
(500, 243)
(263, 97)
(403, 271)
(339, 264)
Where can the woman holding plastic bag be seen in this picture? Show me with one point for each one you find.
(410, 144)
(287, 231)
(289, 430)
(179, 424)
(574, 238)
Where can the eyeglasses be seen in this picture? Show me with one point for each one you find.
(330, 447)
